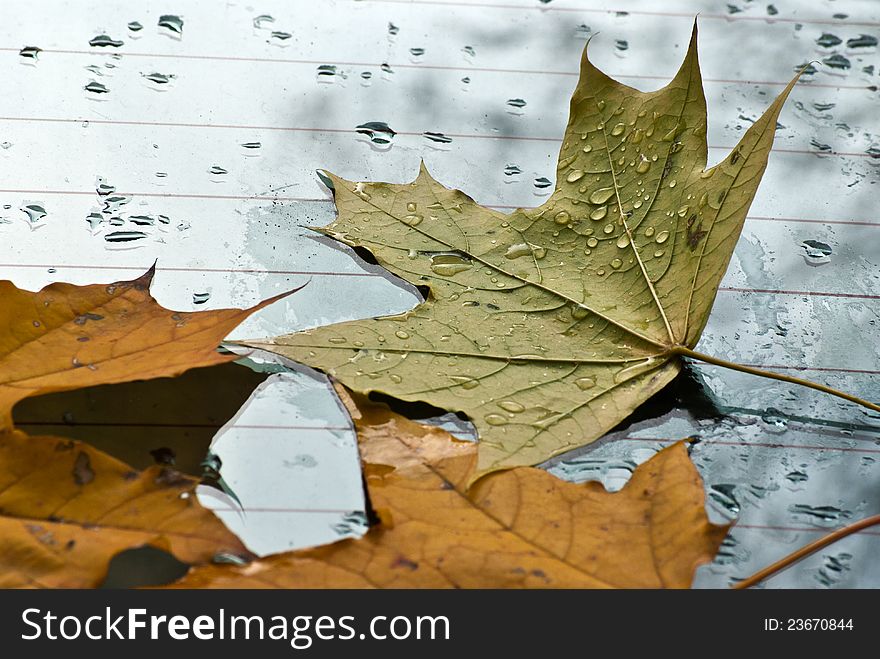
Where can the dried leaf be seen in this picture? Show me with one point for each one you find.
(66, 509)
(517, 528)
(549, 326)
(68, 337)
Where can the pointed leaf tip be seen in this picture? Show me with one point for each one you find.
(142, 282)
(326, 179)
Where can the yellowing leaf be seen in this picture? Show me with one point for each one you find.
(66, 509)
(67, 337)
(521, 528)
(550, 325)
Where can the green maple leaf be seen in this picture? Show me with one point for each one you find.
(550, 325)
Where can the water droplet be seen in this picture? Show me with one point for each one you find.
(562, 217)
(495, 419)
(643, 166)
(95, 219)
(400, 334)
(827, 40)
(512, 170)
(29, 53)
(616, 263)
(412, 220)
(609, 228)
(377, 131)
(411, 207)
(511, 406)
(601, 195)
(672, 183)
(837, 61)
(447, 264)
(97, 88)
(395, 378)
(251, 148)
(649, 232)
(618, 129)
(629, 371)
(35, 212)
(592, 242)
(585, 383)
(464, 381)
(439, 138)
(326, 72)
(124, 236)
(658, 253)
(588, 148)
(102, 187)
(623, 241)
(708, 173)
(337, 339)
(816, 252)
(518, 250)
(160, 80)
(820, 515)
(862, 41)
(262, 21)
(662, 237)
(796, 476)
(574, 175)
(104, 40)
(171, 25)
(579, 312)
(599, 213)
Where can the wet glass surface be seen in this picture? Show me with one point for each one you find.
(131, 134)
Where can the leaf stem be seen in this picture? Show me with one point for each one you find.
(805, 551)
(687, 352)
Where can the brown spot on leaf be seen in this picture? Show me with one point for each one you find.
(43, 535)
(403, 561)
(695, 235)
(171, 477)
(83, 474)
